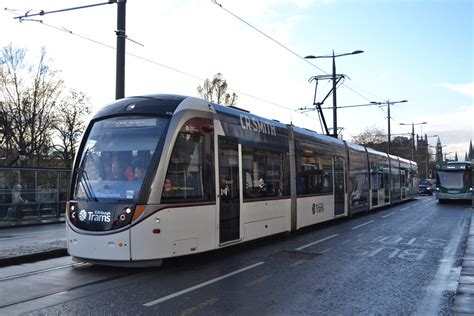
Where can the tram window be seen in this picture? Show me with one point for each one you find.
(265, 173)
(188, 178)
(114, 148)
(404, 177)
(314, 173)
(377, 177)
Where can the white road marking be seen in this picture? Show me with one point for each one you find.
(316, 242)
(325, 250)
(298, 263)
(192, 288)
(411, 241)
(405, 208)
(389, 214)
(363, 224)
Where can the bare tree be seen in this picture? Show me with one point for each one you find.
(216, 91)
(28, 98)
(70, 124)
(371, 135)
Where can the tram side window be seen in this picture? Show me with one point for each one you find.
(396, 177)
(265, 173)
(314, 174)
(403, 177)
(188, 177)
(377, 176)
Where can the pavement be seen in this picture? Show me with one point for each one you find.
(23, 244)
(26, 244)
(464, 299)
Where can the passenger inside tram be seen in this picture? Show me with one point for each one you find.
(139, 173)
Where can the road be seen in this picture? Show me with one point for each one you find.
(400, 260)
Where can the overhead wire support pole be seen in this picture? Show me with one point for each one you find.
(120, 61)
(121, 37)
(318, 104)
(388, 103)
(334, 98)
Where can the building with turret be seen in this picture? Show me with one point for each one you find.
(470, 153)
(439, 151)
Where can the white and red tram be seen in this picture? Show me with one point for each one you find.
(214, 176)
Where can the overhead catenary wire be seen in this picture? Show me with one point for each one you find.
(201, 79)
(42, 12)
(348, 86)
(70, 32)
(267, 36)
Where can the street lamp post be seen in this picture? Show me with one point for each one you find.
(334, 98)
(413, 137)
(388, 103)
(428, 155)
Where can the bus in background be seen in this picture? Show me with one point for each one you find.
(454, 181)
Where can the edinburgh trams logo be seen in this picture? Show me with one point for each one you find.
(317, 208)
(95, 216)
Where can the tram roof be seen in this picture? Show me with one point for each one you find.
(356, 147)
(166, 104)
(162, 104)
(376, 152)
(236, 112)
(313, 134)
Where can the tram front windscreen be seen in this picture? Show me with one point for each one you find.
(116, 156)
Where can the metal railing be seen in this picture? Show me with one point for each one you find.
(32, 195)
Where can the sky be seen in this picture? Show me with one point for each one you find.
(416, 50)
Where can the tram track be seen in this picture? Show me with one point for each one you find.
(66, 290)
(50, 290)
(25, 274)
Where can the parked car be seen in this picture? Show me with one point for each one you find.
(425, 186)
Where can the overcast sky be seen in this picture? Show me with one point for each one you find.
(418, 50)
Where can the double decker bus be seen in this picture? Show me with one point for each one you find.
(454, 181)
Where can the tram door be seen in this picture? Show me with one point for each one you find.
(229, 212)
(338, 186)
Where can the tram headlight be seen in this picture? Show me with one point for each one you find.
(123, 218)
(74, 218)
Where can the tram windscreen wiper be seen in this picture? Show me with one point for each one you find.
(86, 186)
(84, 178)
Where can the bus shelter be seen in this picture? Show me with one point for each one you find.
(32, 195)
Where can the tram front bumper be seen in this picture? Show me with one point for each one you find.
(113, 247)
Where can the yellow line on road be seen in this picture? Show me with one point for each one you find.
(297, 263)
(198, 307)
(257, 281)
